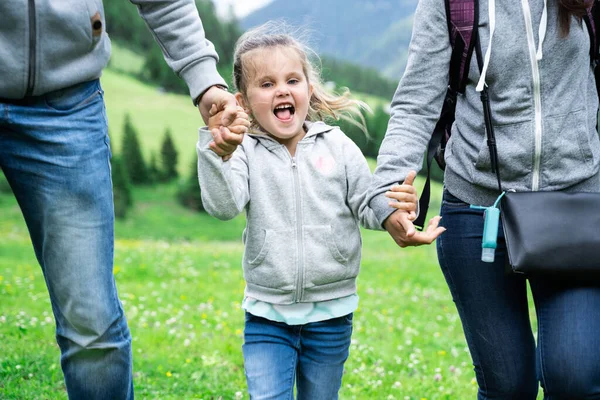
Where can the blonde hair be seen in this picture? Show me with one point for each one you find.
(323, 104)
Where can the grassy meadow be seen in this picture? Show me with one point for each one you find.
(179, 277)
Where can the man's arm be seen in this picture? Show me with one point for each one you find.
(177, 28)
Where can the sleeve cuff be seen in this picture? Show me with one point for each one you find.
(201, 76)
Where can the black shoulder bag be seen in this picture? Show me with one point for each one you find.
(547, 233)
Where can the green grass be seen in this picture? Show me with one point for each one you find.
(124, 60)
(180, 280)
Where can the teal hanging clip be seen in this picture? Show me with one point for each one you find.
(490, 230)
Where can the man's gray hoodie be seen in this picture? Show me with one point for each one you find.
(543, 110)
(46, 45)
(302, 238)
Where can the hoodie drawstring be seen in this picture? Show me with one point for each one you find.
(492, 21)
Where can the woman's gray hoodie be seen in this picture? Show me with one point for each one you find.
(543, 111)
(302, 238)
(46, 45)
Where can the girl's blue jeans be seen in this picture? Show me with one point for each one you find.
(54, 151)
(313, 355)
(493, 308)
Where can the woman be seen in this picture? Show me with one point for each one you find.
(544, 105)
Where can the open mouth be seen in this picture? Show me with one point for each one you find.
(284, 112)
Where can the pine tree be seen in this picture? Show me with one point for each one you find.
(168, 157)
(121, 188)
(154, 173)
(132, 154)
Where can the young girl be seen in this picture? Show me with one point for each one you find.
(302, 184)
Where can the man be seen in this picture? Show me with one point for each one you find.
(54, 153)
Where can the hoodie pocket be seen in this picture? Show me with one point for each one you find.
(515, 144)
(323, 261)
(570, 148)
(271, 258)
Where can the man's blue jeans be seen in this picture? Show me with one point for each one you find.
(54, 151)
(493, 308)
(276, 354)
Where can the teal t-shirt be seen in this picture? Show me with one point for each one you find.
(302, 313)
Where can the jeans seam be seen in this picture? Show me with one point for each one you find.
(294, 364)
(538, 313)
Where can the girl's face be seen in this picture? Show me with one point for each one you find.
(277, 93)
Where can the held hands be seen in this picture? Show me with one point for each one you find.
(399, 224)
(226, 121)
(227, 138)
(222, 99)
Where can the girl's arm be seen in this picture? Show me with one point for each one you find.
(358, 181)
(223, 185)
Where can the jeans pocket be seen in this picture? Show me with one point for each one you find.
(74, 97)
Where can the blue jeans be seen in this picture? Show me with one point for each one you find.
(493, 308)
(54, 151)
(276, 354)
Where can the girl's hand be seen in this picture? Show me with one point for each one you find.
(226, 139)
(404, 197)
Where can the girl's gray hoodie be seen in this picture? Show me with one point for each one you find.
(302, 238)
(543, 99)
(46, 45)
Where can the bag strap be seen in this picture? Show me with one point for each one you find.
(461, 17)
(487, 117)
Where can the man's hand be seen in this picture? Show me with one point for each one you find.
(223, 100)
(226, 139)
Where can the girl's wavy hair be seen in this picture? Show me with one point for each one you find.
(568, 8)
(323, 104)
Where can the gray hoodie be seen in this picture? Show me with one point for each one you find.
(302, 238)
(46, 45)
(543, 111)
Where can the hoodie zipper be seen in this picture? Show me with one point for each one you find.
(299, 236)
(537, 97)
(32, 48)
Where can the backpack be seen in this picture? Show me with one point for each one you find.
(462, 18)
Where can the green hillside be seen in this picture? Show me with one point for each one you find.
(152, 110)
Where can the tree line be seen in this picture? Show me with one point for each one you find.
(124, 25)
(129, 168)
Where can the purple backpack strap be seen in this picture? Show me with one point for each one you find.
(591, 21)
(462, 16)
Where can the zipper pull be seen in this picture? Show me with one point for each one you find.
(293, 162)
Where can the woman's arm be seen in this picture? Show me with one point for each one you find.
(416, 105)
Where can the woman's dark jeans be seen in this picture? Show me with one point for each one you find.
(492, 304)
